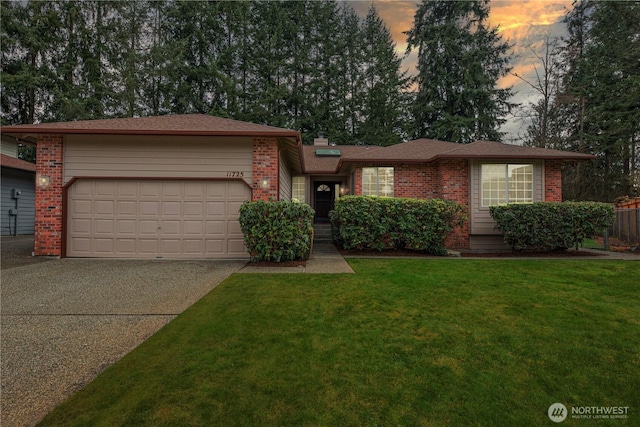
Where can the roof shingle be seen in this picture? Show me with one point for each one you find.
(179, 124)
(428, 150)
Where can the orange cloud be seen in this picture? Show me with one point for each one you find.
(515, 14)
(523, 23)
(397, 15)
(507, 14)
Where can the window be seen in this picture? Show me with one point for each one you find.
(502, 183)
(297, 190)
(377, 182)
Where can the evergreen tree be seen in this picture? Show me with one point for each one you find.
(347, 82)
(154, 55)
(385, 109)
(194, 79)
(600, 98)
(234, 58)
(324, 71)
(307, 65)
(28, 32)
(460, 59)
(270, 50)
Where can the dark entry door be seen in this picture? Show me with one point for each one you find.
(325, 195)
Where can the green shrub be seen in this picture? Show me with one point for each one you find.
(277, 231)
(549, 226)
(377, 223)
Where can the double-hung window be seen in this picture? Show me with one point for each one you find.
(298, 188)
(377, 181)
(506, 183)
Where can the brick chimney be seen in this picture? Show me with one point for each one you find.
(321, 141)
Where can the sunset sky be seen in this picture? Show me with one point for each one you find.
(524, 23)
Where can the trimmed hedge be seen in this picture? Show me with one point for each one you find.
(551, 226)
(378, 223)
(277, 231)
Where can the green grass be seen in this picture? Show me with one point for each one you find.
(401, 342)
(591, 244)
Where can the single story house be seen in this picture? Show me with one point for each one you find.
(170, 186)
(17, 191)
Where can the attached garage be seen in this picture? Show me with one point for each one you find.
(153, 187)
(155, 218)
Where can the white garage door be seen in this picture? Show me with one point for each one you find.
(119, 218)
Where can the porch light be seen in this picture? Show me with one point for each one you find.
(44, 180)
(264, 183)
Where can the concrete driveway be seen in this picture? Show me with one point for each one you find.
(65, 321)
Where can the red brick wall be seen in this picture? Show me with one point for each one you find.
(552, 181)
(416, 181)
(453, 176)
(265, 166)
(358, 181)
(48, 216)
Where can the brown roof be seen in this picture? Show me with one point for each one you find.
(417, 150)
(180, 124)
(319, 165)
(15, 163)
(428, 150)
(497, 150)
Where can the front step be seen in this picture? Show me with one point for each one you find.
(322, 233)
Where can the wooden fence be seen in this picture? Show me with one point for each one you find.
(627, 222)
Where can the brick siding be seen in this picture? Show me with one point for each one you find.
(357, 177)
(453, 176)
(416, 181)
(265, 166)
(552, 181)
(48, 215)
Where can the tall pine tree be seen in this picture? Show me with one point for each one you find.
(460, 59)
(600, 99)
(385, 109)
(306, 65)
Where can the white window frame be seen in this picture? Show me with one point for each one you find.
(299, 188)
(509, 190)
(375, 183)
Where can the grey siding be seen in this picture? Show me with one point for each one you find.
(487, 243)
(25, 182)
(481, 221)
(9, 147)
(157, 156)
(285, 180)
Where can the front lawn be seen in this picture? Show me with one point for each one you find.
(401, 342)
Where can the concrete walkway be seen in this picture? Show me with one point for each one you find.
(325, 258)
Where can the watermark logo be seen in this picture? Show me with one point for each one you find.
(557, 412)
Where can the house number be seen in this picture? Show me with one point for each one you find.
(235, 174)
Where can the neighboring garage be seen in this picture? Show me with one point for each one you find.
(17, 191)
(153, 187)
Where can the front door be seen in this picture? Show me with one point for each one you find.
(325, 195)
